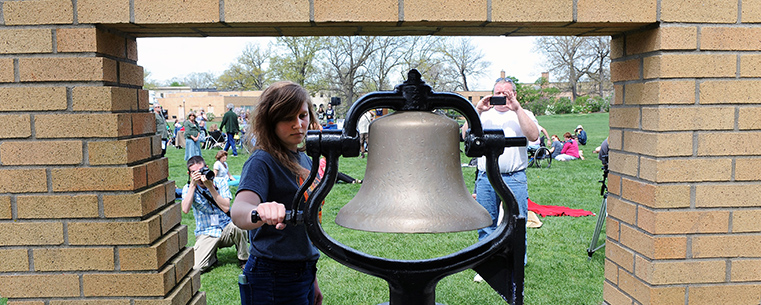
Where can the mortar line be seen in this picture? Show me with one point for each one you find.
(222, 11)
(74, 5)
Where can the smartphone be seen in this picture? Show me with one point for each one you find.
(498, 100)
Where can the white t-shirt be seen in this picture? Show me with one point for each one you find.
(222, 170)
(513, 158)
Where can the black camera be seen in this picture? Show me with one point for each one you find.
(498, 100)
(208, 173)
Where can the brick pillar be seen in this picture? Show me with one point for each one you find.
(86, 212)
(684, 223)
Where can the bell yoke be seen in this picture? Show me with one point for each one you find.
(498, 258)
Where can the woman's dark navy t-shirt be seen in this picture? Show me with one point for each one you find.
(265, 176)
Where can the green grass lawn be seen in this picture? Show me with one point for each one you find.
(558, 269)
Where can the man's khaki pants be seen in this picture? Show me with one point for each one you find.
(206, 246)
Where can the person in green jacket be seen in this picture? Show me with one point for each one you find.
(230, 126)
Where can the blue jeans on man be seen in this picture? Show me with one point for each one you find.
(487, 197)
(231, 142)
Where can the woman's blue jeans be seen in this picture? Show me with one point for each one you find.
(278, 283)
(487, 197)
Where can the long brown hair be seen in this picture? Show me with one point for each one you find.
(279, 102)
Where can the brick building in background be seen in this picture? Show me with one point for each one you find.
(86, 213)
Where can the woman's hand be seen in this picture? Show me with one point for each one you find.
(272, 213)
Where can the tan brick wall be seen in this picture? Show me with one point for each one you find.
(41, 152)
(129, 284)
(17, 126)
(89, 125)
(727, 195)
(134, 205)
(14, 260)
(663, 38)
(67, 69)
(33, 99)
(689, 65)
(26, 41)
(119, 151)
(730, 92)
(746, 220)
(168, 11)
(658, 144)
(273, 11)
(616, 11)
(115, 232)
(28, 286)
(152, 257)
(363, 10)
(104, 99)
(23, 181)
(38, 12)
(57, 206)
(103, 11)
(709, 11)
(5, 207)
(98, 178)
(688, 118)
(719, 246)
(521, 11)
(728, 144)
(727, 294)
(73, 259)
(6, 70)
(30, 233)
(659, 92)
(684, 168)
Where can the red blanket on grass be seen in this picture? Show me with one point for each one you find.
(555, 210)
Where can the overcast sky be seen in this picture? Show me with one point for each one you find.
(166, 58)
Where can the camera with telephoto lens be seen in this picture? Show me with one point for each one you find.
(208, 173)
(498, 100)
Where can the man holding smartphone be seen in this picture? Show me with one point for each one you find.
(502, 111)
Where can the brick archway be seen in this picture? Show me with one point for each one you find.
(684, 219)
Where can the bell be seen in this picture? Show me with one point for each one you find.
(413, 181)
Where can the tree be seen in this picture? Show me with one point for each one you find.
(422, 54)
(298, 61)
(200, 80)
(248, 72)
(346, 59)
(383, 62)
(148, 82)
(600, 53)
(568, 57)
(464, 57)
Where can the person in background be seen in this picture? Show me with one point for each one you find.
(231, 128)
(364, 128)
(570, 149)
(330, 114)
(221, 170)
(161, 127)
(192, 137)
(283, 263)
(534, 145)
(556, 147)
(214, 228)
(514, 121)
(581, 135)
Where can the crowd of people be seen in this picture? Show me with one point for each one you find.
(268, 250)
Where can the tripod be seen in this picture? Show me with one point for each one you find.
(601, 216)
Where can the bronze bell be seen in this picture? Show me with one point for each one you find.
(413, 181)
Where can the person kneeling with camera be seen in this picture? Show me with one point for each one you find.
(211, 210)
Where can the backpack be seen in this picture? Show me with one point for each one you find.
(582, 137)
